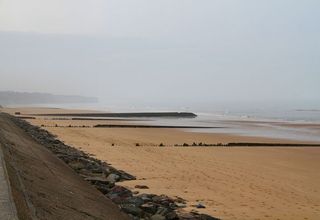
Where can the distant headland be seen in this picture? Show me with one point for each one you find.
(26, 98)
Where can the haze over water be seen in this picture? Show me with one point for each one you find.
(165, 53)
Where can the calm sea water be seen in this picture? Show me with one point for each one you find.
(262, 122)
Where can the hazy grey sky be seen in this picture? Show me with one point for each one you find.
(180, 51)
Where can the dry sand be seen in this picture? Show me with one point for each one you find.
(233, 183)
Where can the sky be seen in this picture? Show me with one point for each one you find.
(163, 51)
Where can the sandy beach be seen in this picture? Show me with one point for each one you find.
(233, 183)
(161, 110)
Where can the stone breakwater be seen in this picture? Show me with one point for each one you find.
(104, 178)
(127, 115)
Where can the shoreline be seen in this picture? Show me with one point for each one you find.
(224, 179)
(225, 131)
(294, 131)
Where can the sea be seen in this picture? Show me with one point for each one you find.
(284, 122)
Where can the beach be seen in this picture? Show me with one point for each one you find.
(231, 182)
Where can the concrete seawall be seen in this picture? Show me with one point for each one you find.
(7, 206)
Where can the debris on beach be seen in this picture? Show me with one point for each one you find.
(200, 206)
(141, 187)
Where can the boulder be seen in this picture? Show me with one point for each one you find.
(158, 217)
(146, 197)
(118, 194)
(172, 216)
(136, 201)
(126, 176)
(94, 180)
(207, 217)
(103, 188)
(162, 211)
(76, 165)
(163, 200)
(149, 208)
(113, 178)
(180, 205)
(131, 209)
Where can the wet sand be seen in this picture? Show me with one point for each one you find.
(233, 183)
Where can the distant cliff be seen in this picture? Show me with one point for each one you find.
(22, 98)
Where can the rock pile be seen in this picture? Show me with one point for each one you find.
(103, 177)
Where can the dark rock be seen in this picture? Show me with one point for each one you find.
(200, 206)
(158, 217)
(126, 176)
(207, 217)
(103, 188)
(186, 216)
(118, 194)
(163, 200)
(94, 180)
(134, 200)
(92, 165)
(98, 170)
(141, 187)
(149, 208)
(162, 211)
(131, 209)
(76, 165)
(180, 205)
(172, 216)
(85, 173)
(146, 197)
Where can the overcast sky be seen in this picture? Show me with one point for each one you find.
(166, 51)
